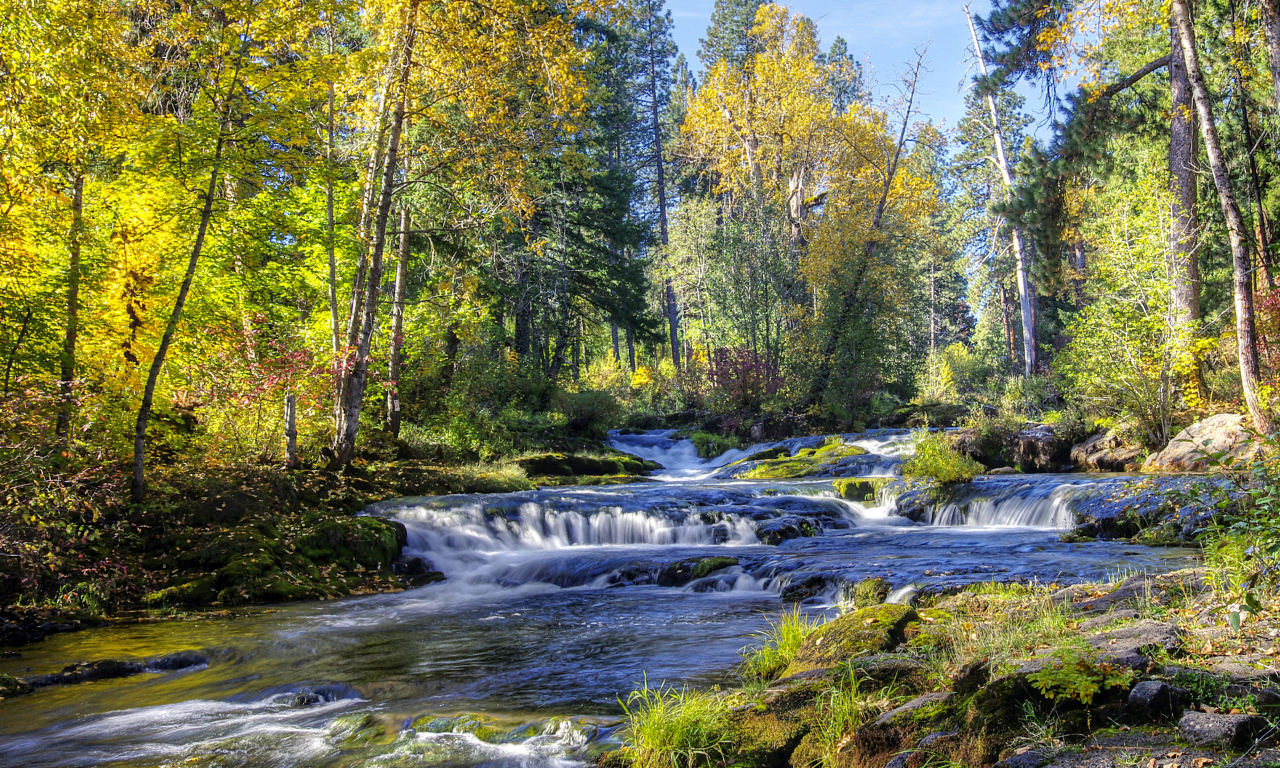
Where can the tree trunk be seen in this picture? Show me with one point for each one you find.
(1025, 298)
(1271, 26)
(1184, 268)
(631, 349)
(353, 389)
(335, 320)
(291, 430)
(397, 327)
(1010, 345)
(73, 310)
(617, 354)
(1246, 332)
(673, 319)
(157, 363)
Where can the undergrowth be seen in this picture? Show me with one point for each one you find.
(780, 642)
(674, 727)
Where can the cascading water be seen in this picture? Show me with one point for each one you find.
(557, 602)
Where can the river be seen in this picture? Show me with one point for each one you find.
(554, 607)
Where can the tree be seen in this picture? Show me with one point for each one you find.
(729, 37)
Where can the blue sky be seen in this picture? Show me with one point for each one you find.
(883, 35)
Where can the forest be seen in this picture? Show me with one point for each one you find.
(268, 267)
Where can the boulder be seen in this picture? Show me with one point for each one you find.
(1106, 452)
(1037, 449)
(884, 669)
(1234, 731)
(861, 633)
(1030, 759)
(1152, 700)
(1224, 432)
(1129, 645)
(888, 730)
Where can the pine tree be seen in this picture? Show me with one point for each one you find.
(729, 35)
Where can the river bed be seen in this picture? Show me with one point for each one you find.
(554, 609)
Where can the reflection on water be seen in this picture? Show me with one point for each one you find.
(550, 614)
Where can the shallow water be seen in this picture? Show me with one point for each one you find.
(549, 615)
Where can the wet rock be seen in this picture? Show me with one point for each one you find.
(1234, 731)
(13, 686)
(410, 565)
(1152, 700)
(179, 660)
(804, 589)
(860, 633)
(780, 529)
(106, 669)
(1003, 471)
(1030, 759)
(1129, 646)
(1223, 432)
(869, 592)
(685, 571)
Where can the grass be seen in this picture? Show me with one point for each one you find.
(674, 727)
(780, 642)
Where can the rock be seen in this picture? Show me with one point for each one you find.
(1029, 759)
(1234, 731)
(934, 738)
(860, 633)
(1129, 590)
(13, 686)
(884, 669)
(179, 660)
(888, 730)
(900, 760)
(780, 529)
(1152, 700)
(685, 571)
(1223, 432)
(1098, 622)
(107, 669)
(970, 677)
(1247, 669)
(1037, 449)
(409, 565)
(1003, 471)
(869, 592)
(811, 586)
(1129, 645)
(1106, 452)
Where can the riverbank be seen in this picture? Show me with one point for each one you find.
(1141, 672)
(228, 537)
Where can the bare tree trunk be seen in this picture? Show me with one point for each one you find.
(617, 355)
(68, 372)
(631, 349)
(157, 363)
(1025, 298)
(353, 390)
(335, 320)
(397, 327)
(1184, 268)
(291, 430)
(1081, 265)
(1246, 332)
(673, 319)
(1010, 344)
(1271, 26)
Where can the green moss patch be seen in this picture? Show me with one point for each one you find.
(806, 462)
(859, 488)
(863, 632)
(568, 464)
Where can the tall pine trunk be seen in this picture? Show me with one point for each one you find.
(68, 367)
(1184, 268)
(1271, 28)
(1025, 299)
(1246, 332)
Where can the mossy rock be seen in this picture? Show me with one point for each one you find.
(568, 464)
(368, 542)
(709, 565)
(685, 571)
(889, 670)
(869, 592)
(859, 488)
(861, 633)
(764, 739)
(806, 462)
(357, 730)
(201, 590)
(929, 632)
(767, 454)
(12, 686)
(560, 481)
(483, 728)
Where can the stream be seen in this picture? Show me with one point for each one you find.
(557, 603)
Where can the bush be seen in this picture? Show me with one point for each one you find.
(592, 412)
(674, 728)
(936, 459)
(711, 445)
(781, 641)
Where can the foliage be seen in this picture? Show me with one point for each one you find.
(778, 645)
(1074, 675)
(668, 727)
(935, 458)
(711, 445)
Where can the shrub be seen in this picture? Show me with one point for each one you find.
(591, 412)
(1077, 676)
(936, 459)
(781, 641)
(711, 445)
(674, 728)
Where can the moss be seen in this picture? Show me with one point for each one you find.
(863, 632)
(483, 728)
(567, 480)
(929, 632)
(869, 592)
(709, 445)
(806, 462)
(859, 488)
(709, 565)
(615, 758)
(368, 542)
(764, 739)
(566, 464)
(12, 686)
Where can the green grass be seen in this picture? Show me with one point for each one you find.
(711, 445)
(780, 642)
(674, 727)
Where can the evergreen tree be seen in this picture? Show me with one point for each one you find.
(729, 35)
